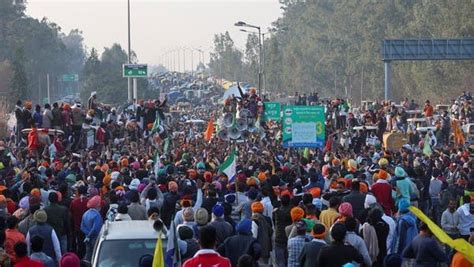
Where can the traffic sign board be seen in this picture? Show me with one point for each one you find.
(134, 70)
(70, 77)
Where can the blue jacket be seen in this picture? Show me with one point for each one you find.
(406, 231)
(91, 223)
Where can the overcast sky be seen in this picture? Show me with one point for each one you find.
(158, 26)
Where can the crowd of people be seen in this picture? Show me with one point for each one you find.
(345, 203)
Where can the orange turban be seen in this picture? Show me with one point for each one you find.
(124, 162)
(35, 192)
(315, 192)
(262, 176)
(257, 207)
(296, 214)
(383, 174)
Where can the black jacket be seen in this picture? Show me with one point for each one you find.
(357, 200)
(281, 219)
(309, 254)
(338, 254)
(237, 245)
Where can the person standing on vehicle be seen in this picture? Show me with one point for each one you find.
(91, 224)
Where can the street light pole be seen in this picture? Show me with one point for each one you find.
(129, 81)
(243, 24)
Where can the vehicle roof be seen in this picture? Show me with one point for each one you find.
(131, 230)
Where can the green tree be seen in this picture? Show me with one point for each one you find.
(19, 81)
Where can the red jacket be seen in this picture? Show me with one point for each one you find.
(383, 193)
(77, 208)
(207, 258)
(13, 236)
(27, 262)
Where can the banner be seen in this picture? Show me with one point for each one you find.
(271, 111)
(303, 126)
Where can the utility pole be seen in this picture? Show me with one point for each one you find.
(192, 62)
(47, 84)
(361, 85)
(129, 54)
(184, 60)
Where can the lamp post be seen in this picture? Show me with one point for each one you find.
(129, 81)
(262, 45)
(243, 24)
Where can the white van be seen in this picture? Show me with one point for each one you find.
(123, 243)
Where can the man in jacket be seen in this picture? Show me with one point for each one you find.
(91, 224)
(240, 244)
(308, 256)
(77, 208)
(135, 209)
(425, 249)
(58, 218)
(57, 121)
(355, 240)
(12, 236)
(281, 219)
(19, 119)
(223, 228)
(47, 116)
(337, 254)
(21, 251)
(356, 198)
(51, 242)
(207, 256)
(296, 244)
(37, 252)
(262, 230)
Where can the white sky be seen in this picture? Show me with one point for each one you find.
(158, 26)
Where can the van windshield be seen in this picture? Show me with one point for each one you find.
(125, 252)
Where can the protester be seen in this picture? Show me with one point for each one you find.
(338, 253)
(37, 252)
(21, 251)
(296, 244)
(155, 161)
(91, 224)
(424, 249)
(307, 256)
(207, 256)
(51, 245)
(240, 244)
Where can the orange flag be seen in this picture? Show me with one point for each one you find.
(209, 131)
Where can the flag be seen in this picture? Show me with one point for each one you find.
(157, 163)
(158, 260)
(306, 153)
(209, 131)
(172, 249)
(166, 147)
(156, 124)
(459, 244)
(229, 166)
(427, 151)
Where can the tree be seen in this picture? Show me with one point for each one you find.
(19, 81)
(226, 60)
(104, 75)
(328, 45)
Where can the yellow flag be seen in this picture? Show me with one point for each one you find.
(158, 259)
(459, 244)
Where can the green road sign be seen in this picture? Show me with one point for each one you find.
(303, 126)
(271, 111)
(70, 78)
(134, 70)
